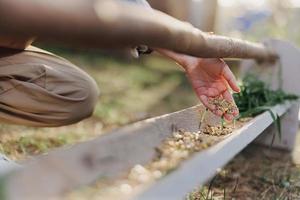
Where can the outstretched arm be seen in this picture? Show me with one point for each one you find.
(209, 77)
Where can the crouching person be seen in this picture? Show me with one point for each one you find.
(40, 89)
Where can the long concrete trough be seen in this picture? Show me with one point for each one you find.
(204, 165)
(64, 169)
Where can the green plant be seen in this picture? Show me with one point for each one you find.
(256, 97)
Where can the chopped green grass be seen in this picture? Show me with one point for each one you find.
(256, 97)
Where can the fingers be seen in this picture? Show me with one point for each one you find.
(230, 78)
(228, 96)
(229, 114)
(235, 112)
(205, 97)
(205, 101)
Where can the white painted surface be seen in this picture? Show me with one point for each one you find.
(65, 169)
(204, 165)
(107, 156)
(7, 165)
(284, 74)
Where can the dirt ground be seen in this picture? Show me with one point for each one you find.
(258, 172)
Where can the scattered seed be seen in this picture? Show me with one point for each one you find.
(222, 105)
(172, 151)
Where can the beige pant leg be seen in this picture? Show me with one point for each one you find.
(40, 89)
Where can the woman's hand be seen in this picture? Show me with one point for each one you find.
(210, 77)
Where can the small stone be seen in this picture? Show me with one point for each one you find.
(139, 169)
(143, 178)
(126, 188)
(157, 174)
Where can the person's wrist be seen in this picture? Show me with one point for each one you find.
(191, 64)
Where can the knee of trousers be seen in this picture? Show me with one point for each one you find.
(73, 92)
(84, 107)
(43, 90)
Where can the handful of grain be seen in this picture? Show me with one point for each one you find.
(223, 105)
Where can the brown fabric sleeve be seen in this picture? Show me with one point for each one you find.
(15, 42)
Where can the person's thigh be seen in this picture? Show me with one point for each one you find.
(41, 89)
